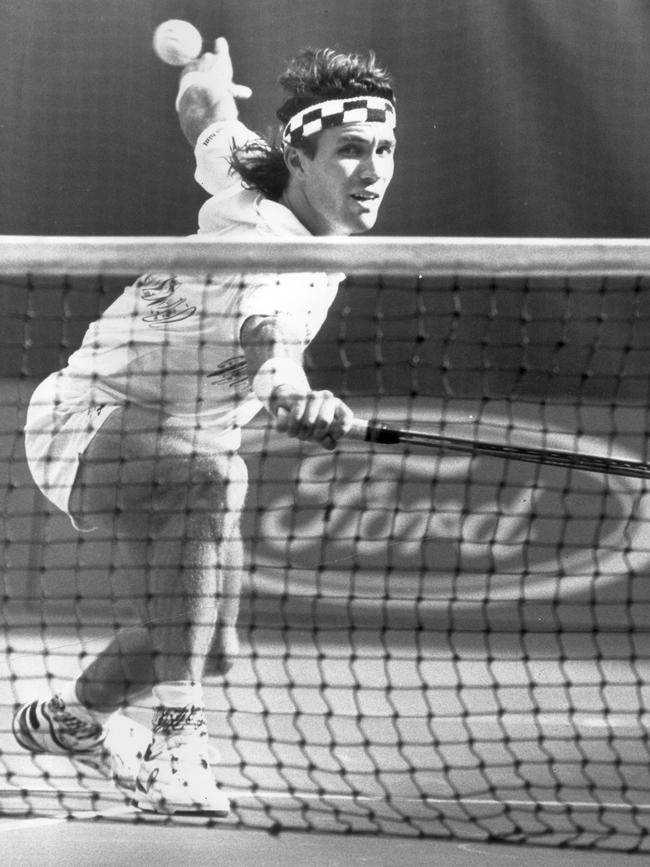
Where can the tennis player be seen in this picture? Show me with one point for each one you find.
(139, 434)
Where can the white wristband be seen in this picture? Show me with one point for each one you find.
(275, 372)
(189, 80)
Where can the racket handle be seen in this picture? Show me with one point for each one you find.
(372, 432)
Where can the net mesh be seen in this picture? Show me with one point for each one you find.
(431, 645)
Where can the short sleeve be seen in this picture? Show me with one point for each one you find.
(306, 298)
(212, 154)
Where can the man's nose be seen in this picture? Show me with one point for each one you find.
(370, 170)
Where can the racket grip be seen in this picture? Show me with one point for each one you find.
(372, 432)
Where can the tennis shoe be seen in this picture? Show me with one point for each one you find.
(113, 750)
(175, 775)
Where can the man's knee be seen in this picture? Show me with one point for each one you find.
(201, 496)
(217, 482)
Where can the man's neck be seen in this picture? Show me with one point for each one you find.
(294, 199)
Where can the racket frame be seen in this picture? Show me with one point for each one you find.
(374, 431)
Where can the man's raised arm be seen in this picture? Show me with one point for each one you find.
(206, 93)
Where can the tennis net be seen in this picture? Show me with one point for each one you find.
(433, 644)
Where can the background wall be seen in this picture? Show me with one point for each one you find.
(516, 117)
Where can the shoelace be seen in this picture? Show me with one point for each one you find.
(174, 720)
(182, 731)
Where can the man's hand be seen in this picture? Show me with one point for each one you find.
(206, 93)
(318, 416)
(218, 66)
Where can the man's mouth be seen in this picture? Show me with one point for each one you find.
(365, 196)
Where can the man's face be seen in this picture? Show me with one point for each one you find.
(344, 183)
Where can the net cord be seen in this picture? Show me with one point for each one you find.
(463, 257)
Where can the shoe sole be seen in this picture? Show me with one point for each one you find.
(178, 811)
(149, 808)
(144, 798)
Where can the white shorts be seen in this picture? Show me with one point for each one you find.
(57, 435)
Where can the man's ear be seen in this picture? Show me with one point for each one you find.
(294, 161)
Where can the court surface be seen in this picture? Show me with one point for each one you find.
(386, 706)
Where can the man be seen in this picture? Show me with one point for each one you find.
(138, 435)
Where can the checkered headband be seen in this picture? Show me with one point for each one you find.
(335, 112)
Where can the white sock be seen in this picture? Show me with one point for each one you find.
(72, 704)
(179, 693)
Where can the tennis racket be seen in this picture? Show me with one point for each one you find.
(375, 432)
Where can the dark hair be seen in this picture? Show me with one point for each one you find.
(313, 76)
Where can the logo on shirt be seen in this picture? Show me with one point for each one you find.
(159, 293)
(230, 373)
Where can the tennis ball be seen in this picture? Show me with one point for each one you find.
(177, 42)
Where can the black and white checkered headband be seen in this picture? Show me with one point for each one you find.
(334, 112)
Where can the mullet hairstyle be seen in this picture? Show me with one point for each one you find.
(314, 76)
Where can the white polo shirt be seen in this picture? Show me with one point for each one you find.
(173, 342)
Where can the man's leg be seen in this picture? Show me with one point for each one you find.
(174, 507)
(172, 500)
(173, 503)
(125, 671)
